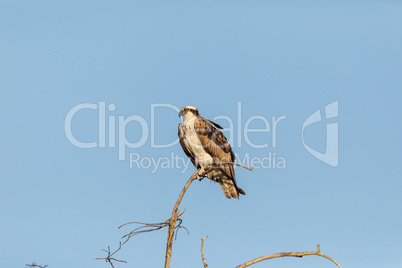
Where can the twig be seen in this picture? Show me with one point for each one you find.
(109, 258)
(249, 168)
(202, 252)
(152, 227)
(35, 265)
(233, 163)
(288, 254)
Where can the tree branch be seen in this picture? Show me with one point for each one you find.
(109, 258)
(173, 220)
(146, 227)
(202, 252)
(288, 254)
(249, 168)
(33, 265)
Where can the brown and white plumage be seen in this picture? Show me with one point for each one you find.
(207, 147)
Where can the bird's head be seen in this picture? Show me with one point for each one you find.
(188, 111)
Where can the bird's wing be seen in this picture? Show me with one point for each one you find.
(215, 143)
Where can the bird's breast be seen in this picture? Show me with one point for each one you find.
(196, 147)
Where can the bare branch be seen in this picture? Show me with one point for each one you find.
(224, 163)
(175, 216)
(181, 213)
(288, 254)
(202, 252)
(33, 265)
(173, 219)
(150, 227)
(174, 222)
(109, 258)
(249, 168)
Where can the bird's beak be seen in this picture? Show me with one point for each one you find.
(180, 113)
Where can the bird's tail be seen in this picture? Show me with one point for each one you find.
(230, 189)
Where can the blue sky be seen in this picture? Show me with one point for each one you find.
(61, 204)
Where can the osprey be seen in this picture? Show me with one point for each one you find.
(207, 148)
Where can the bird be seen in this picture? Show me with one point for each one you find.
(208, 149)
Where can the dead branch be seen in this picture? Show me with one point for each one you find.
(173, 219)
(150, 227)
(288, 254)
(249, 168)
(202, 252)
(171, 223)
(109, 258)
(33, 265)
(233, 163)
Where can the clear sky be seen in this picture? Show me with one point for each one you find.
(130, 64)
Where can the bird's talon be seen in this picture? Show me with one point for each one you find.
(199, 177)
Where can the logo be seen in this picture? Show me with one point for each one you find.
(128, 134)
(330, 156)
